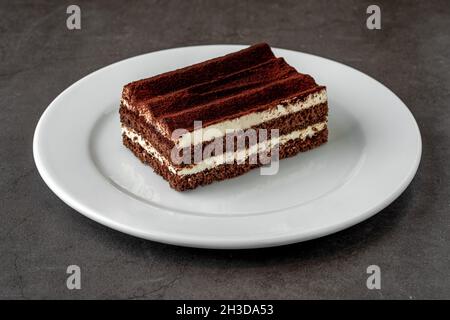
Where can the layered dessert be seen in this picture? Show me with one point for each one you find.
(187, 124)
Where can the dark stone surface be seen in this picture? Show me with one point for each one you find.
(40, 236)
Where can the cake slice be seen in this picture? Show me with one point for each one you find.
(199, 114)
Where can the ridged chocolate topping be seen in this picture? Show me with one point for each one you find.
(222, 88)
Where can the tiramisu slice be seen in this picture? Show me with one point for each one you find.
(187, 124)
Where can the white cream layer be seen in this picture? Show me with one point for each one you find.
(214, 161)
(242, 123)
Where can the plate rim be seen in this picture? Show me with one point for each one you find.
(221, 243)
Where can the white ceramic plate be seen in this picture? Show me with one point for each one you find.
(372, 155)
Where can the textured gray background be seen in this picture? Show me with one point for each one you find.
(40, 236)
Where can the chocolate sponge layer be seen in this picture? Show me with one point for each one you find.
(284, 124)
(224, 171)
